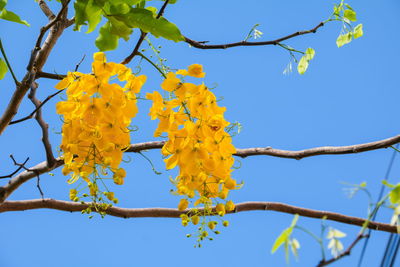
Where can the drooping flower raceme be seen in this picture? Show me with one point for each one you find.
(197, 142)
(97, 115)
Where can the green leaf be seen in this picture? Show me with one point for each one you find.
(144, 19)
(304, 61)
(106, 39)
(3, 3)
(344, 39)
(11, 16)
(358, 31)
(287, 250)
(120, 29)
(94, 13)
(350, 15)
(153, 9)
(87, 11)
(119, 9)
(337, 9)
(129, 2)
(394, 195)
(348, 6)
(3, 68)
(310, 53)
(285, 235)
(141, 4)
(385, 182)
(303, 65)
(282, 238)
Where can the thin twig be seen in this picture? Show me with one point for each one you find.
(152, 63)
(30, 116)
(344, 253)
(15, 182)
(142, 36)
(20, 166)
(79, 63)
(29, 170)
(202, 45)
(38, 186)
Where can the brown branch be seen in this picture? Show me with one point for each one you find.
(325, 150)
(20, 166)
(46, 10)
(39, 56)
(41, 74)
(269, 151)
(44, 29)
(344, 253)
(43, 125)
(202, 45)
(22, 205)
(25, 176)
(42, 167)
(30, 116)
(142, 36)
(70, 22)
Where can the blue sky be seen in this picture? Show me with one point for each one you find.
(349, 95)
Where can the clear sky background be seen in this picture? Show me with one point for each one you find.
(349, 95)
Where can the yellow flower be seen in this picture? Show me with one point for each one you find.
(119, 176)
(158, 104)
(171, 83)
(195, 219)
(72, 194)
(99, 56)
(220, 209)
(229, 206)
(64, 83)
(183, 204)
(195, 70)
(212, 225)
(197, 142)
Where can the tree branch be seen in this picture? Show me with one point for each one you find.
(38, 58)
(42, 167)
(269, 151)
(70, 206)
(41, 74)
(202, 45)
(43, 125)
(25, 176)
(46, 10)
(20, 166)
(344, 253)
(30, 116)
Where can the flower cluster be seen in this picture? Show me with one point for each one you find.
(197, 141)
(97, 116)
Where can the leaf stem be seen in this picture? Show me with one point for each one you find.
(152, 63)
(8, 64)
